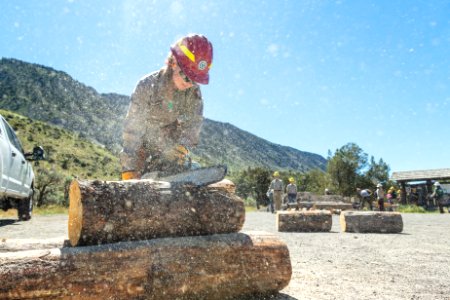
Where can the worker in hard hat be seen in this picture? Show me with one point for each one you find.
(276, 187)
(166, 112)
(438, 196)
(365, 195)
(380, 196)
(291, 191)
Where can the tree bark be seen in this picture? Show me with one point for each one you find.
(371, 222)
(219, 266)
(304, 221)
(111, 211)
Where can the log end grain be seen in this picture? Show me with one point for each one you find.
(75, 213)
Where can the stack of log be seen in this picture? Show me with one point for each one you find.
(333, 203)
(145, 239)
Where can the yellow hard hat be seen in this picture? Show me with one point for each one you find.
(276, 174)
(291, 179)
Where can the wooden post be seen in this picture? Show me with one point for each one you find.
(304, 221)
(221, 266)
(111, 211)
(371, 222)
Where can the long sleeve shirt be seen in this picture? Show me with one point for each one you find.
(159, 118)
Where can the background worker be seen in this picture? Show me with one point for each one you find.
(291, 190)
(380, 196)
(365, 196)
(166, 112)
(438, 196)
(277, 186)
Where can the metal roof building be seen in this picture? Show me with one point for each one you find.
(419, 175)
(429, 176)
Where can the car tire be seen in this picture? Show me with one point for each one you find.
(24, 209)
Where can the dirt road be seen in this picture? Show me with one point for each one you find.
(412, 265)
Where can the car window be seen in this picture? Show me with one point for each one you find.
(12, 136)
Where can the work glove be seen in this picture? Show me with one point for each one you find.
(128, 175)
(177, 154)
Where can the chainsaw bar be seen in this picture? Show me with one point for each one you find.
(198, 177)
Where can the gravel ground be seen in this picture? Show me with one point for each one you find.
(333, 265)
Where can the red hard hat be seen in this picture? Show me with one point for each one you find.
(194, 54)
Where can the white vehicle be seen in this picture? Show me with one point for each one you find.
(17, 176)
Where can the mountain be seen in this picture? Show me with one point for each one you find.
(42, 93)
(240, 149)
(66, 153)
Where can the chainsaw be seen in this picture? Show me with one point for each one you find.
(196, 177)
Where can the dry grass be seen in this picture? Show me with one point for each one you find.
(46, 210)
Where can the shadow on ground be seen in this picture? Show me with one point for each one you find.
(278, 296)
(5, 222)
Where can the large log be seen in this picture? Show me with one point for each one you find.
(219, 266)
(112, 211)
(304, 221)
(371, 222)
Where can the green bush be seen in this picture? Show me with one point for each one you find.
(411, 209)
(250, 202)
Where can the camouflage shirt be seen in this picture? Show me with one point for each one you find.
(159, 118)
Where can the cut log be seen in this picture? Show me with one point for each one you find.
(111, 211)
(221, 266)
(304, 221)
(371, 222)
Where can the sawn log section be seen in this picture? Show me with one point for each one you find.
(111, 211)
(371, 222)
(220, 266)
(304, 221)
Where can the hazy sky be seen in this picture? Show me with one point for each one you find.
(312, 75)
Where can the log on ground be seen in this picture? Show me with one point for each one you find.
(371, 222)
(221, 266)
(111, 211)
(304, 221)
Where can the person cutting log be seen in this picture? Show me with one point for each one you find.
(166, 112)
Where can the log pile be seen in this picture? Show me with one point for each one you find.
(333, 203)
(371, 222)
(339, 206)
(304, 221)
(149, 240)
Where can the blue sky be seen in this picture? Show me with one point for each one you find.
(312, 75)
